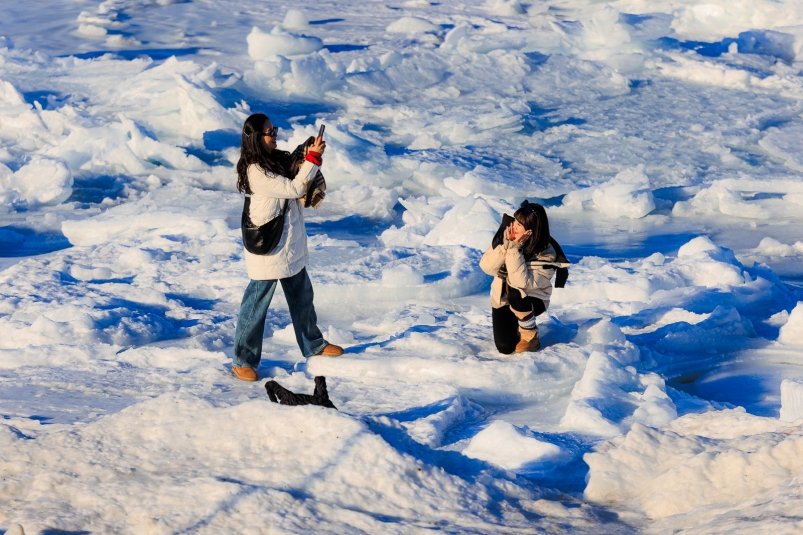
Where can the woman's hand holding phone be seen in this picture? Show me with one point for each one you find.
(319, 145)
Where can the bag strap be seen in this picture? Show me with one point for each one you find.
(562, 273)
(247, 210)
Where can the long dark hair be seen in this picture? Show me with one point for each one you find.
(254, 151)
(533, 217)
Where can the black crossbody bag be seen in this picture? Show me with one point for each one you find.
(262, 239)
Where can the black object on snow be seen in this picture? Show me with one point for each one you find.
(279, 394)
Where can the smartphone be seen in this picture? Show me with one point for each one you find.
(320, 131)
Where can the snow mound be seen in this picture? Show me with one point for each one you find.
(688, 465)
(792, 332)
(626, 195)
(295, 19)
(220, 463)
(279, 42)
(167, 218)
(507, 8)
(428, 221)
(431, 429)
(721, 197)
(708, 265)
(411, 25)
(782, 142)
(792, 399)
(611, 396)
(717, 19)
(780, 44)
(41, 181)
(509, 447)
(287, 63)
(774, 248)
(395, 275)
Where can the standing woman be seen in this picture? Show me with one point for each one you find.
(523, 259)
(264, 173)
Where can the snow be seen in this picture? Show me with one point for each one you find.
(503, 445)
(692, 464)
(411, 25)
(792, 331)
(39, 182)
(280, 43)
(792, 399)
(627, 194)
(663, 137)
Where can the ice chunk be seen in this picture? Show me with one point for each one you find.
(792, 332)
(278, 42)
(792, 399)
(411, 25)
(507, 8)
(626, 195)
(507, 446)
(778, 44)
(42, 181)
(401, 275)
(686, 466)
(295, 19)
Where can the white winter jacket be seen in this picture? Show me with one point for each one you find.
(269, 192)
(532, 278)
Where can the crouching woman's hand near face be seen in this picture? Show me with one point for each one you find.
(263, 172)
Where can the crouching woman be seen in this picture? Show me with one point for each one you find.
(523, 259)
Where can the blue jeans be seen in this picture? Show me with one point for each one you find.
(251, 321)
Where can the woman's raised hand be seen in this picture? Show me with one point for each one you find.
(319, 145)
(515, 238)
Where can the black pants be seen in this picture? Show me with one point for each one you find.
(506, 324)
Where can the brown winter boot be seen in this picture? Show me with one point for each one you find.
(528, 340)
(331, 350)
(245, 373)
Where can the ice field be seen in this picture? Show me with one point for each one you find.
(664, 137)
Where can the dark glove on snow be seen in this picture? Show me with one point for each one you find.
(279, 394)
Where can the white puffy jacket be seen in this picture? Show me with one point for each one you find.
(269, 192)
(530, 277)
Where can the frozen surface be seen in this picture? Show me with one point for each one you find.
(792, 399)
(664, 137)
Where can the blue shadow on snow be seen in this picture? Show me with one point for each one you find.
(49, 100)
(93, 190)
(20, 241)
(540, 119)
(153, 53)
(280, 112)
(141, 323)
(221, 139)
(359, 348)
(345, 48)
(189, 301)
(321, 22)
(709, 50)
(659, 243)
(363, 230)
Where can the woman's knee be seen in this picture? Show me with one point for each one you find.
(506, 349)
(505, 346)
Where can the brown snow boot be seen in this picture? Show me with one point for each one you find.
(330, 350)
(245, 373)
(528, 340)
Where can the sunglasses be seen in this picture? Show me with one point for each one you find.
(271, 132)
